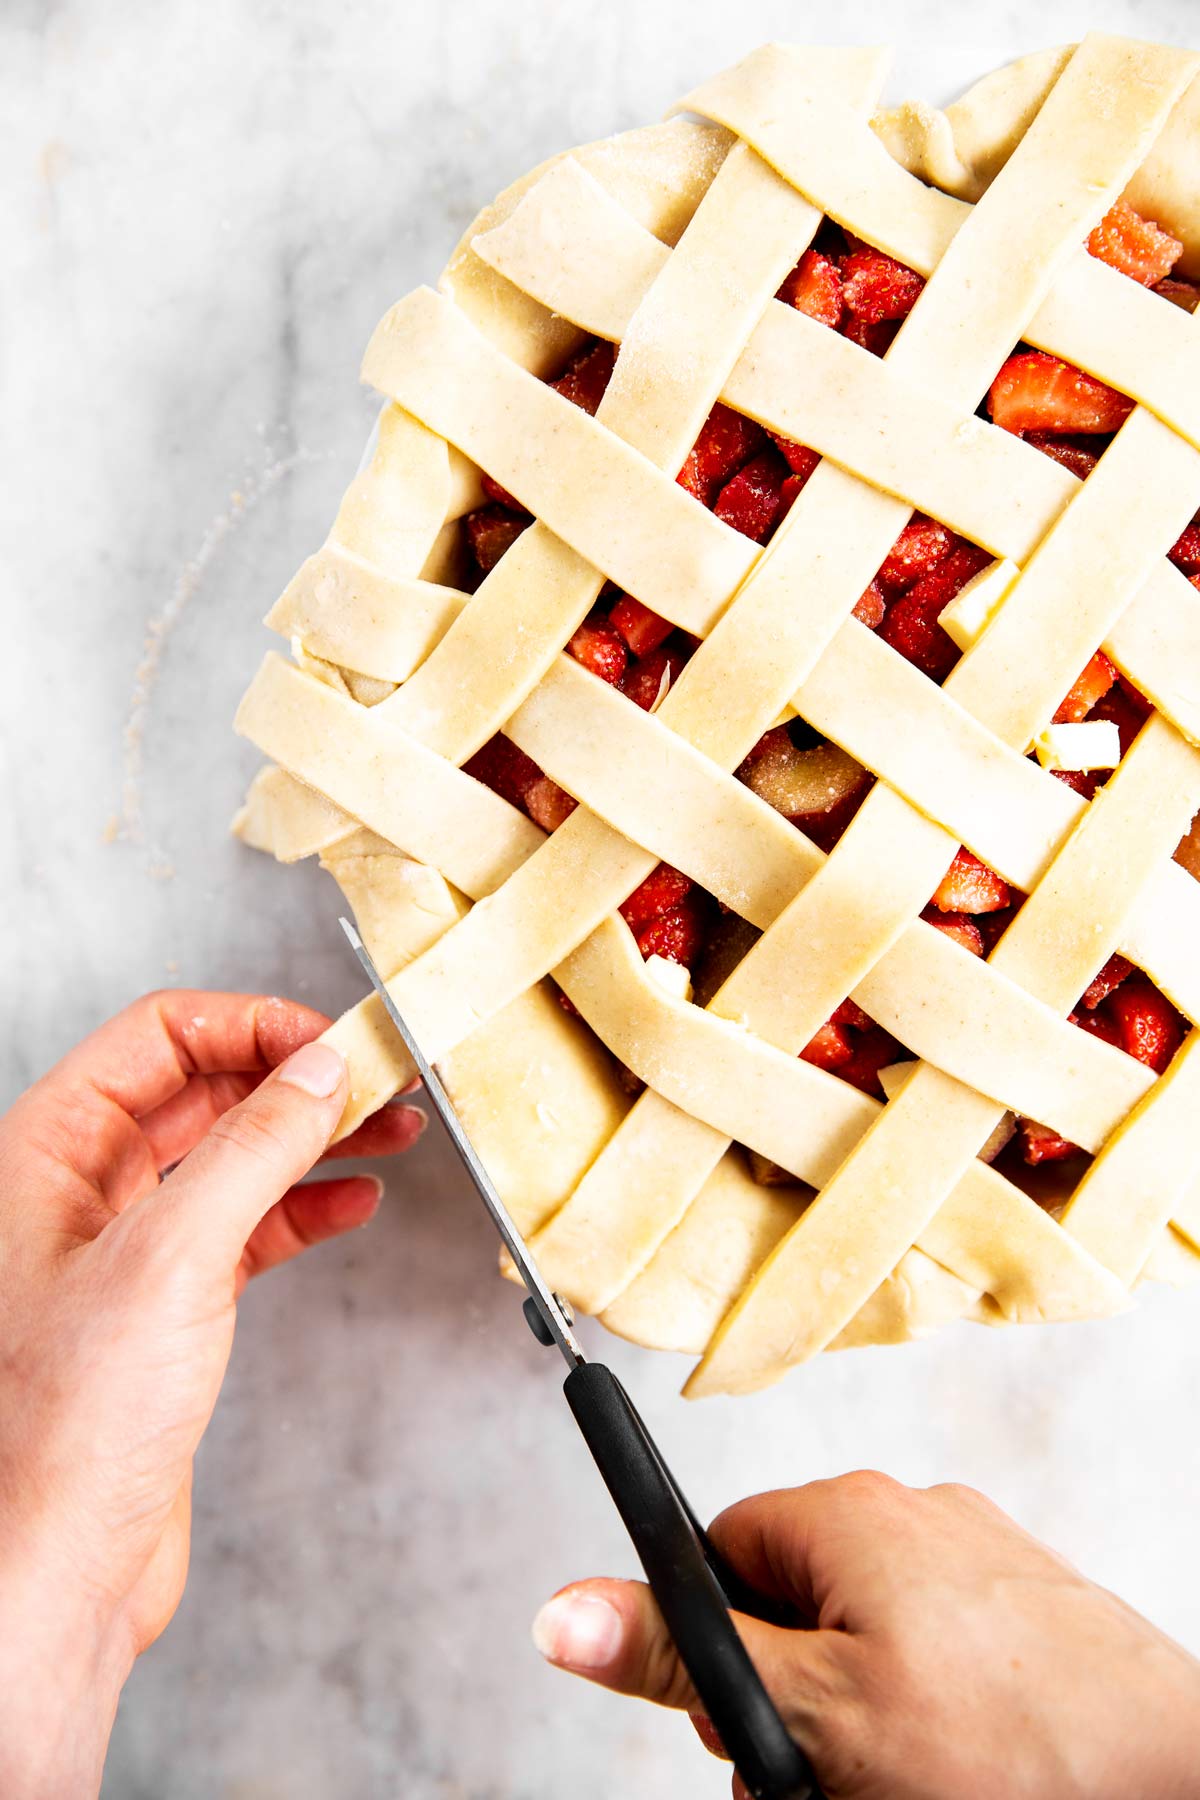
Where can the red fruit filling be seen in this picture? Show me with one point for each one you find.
(921, 546)
(828, 1048)
(678, 934)
(815, 287)
(876, 288)
(1136, 246)
(1040, 1144)
(969, 886)
(490, 532)
(642, 629)
(750, 478)
(726, 441)
(911, 625)
(599, 646)
(800, 460)
(547, 804)
(1036, 392)
(1183, 294)
(1105, 982)
(586, 376)
(505, 769)
(1091, 686)
(752, 500)
(663, 889)
(1079, 454)
(1148, 1026)
(648, 679)
(956, 925)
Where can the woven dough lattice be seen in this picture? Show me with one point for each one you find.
(672, 242)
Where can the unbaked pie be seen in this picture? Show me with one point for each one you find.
(812, 948)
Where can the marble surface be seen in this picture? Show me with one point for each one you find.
(207, 209)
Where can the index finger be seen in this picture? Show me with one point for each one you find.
(795, 1543)
(144, 1055)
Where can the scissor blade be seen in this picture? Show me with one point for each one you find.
(543, 1297)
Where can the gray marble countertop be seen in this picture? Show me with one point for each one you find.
(207, 210)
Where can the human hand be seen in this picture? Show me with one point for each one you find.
(116, 1324)
(950, 1654)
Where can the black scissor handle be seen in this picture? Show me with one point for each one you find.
(694, 1587)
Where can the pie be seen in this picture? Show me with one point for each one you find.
(812, 948)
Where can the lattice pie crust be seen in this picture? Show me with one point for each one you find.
(672, 242)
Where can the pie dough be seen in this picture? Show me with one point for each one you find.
(673, 241)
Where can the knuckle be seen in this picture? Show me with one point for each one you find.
(959, 1494)
(869, 1487)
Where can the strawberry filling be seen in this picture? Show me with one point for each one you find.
(750, 479)
(1135, 246)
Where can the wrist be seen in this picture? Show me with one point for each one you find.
(64, 1659)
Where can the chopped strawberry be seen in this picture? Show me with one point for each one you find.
(1036, 392)
(1179, 293)
(799, 458)
(1079, 454)
(677, 935)
(828, 1048)
(568, 1006)
(958, 926)
(1105, 982)
(726, 441)
(921, 546)
(1127, 709)
(1097, 1024)
(1089, 687)
(586, 376)
(969, 886)
(1135, 246)
(1185, 551)
(870, 1051)
(647, 680)
(751, 501)
(490, 532)
(642, 629)
(993, 925)
(911, 626)
(500, 495)
(871, 606)
(600, 647)
(815, 287)
(1040, 1144)
(876, 287)
(1151, 1029)
(505, 769)
(663, 889)
(851, 1013)
(547, 804)
(876, 337)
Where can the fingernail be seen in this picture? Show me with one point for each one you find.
(318, 1069)
(578, 1631)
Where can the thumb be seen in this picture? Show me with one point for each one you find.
(612, 1633)
(207, 1208)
